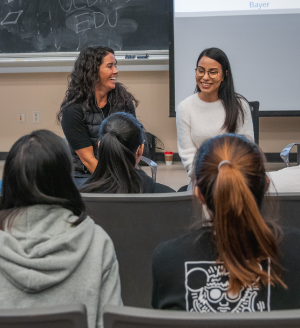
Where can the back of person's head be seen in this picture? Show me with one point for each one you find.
(38, 170)
(231, 179)
(120, 135)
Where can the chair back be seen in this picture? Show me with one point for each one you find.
(137, 223)
(289, 208)
(124, 317)
(63, 316)
(285, 153)
(254, 106)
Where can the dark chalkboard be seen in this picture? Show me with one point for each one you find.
(37, 26)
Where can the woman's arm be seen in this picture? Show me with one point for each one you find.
(185, 144)
(87, 158)
(77, 135)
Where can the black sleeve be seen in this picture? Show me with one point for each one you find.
(168, 289)
(74, 128)
(152, 187)
(158, 274)
(160, 188)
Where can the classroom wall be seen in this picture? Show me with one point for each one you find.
(43, 92)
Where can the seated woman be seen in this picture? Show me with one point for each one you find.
(240, 262)
(213, 110)
(120, 149)
(93, 94)
(51, 252)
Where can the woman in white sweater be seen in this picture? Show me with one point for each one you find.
(215, 109)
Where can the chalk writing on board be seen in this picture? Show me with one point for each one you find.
(70, 25)
(11, 18)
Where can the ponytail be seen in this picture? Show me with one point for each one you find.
(120, 137)
(242, 237)
(231, 176)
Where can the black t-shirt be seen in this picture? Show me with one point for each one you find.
(187, 277)
(74, 127)
(149, 186)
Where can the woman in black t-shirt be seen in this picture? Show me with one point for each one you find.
(93, 94)
(121, 147)
(239, 261)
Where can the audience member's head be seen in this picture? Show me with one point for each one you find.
(231, 181)
(38, 170)
(121, 145)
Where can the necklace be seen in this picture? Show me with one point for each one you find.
(101, 111)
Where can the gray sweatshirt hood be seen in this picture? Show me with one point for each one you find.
(43, 249)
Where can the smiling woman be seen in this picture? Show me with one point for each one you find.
(214, 109)
(93, 94)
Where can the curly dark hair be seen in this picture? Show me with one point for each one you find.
(82, 81)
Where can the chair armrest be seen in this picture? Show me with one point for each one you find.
(152, 165)
(285, 153)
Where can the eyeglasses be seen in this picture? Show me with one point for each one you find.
(200, 71)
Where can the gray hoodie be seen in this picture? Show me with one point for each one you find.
(44, 261)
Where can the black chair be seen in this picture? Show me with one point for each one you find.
(62, 316)
(137, 224)
(124, 317)
(254, 106)
(289, 208)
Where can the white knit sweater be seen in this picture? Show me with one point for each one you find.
(198, 121)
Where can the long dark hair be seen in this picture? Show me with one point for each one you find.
(230, 99)
(85, 75)
(120, 136)
(38, 170)
(234, 193)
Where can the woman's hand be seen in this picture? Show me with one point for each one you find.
(87, 158)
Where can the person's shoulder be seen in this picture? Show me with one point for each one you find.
(187, 102)
(143, 175)
(103, 241)
(161, 188)
(74, 106)
(73, 109)
(153, 187)
(167, 249)
(172, 246)
(103, 246)
(101, 235)
(148, 182)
